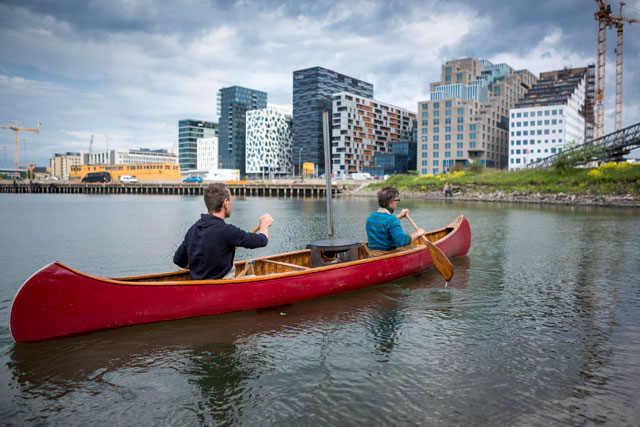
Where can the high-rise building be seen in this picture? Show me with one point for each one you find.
(553, 114)
(233, 104)
(363, 127)
(189, 131)
(313, 90)
(467, 115)
(269, 138)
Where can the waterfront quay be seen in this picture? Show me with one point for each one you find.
(264, 189)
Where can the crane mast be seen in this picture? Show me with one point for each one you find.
(607, 20)
(15, 128)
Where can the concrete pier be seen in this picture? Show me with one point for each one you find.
(259, 189)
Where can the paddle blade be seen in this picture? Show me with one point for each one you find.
(441, 261)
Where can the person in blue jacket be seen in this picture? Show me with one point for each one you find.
(210, 244)
(384, 231)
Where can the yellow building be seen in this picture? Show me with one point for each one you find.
(143, 172)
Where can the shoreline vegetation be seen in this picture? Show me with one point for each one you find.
(611, 184)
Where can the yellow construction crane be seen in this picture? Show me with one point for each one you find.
(607, 20)
(171, 152)
(15, 128)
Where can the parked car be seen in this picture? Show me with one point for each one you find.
(97, 177)
(192, 179)
(128, 178)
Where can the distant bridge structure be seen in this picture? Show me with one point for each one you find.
(611, 147)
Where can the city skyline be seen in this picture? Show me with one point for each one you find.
(127, 72)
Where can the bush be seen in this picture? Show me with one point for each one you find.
(475, 166)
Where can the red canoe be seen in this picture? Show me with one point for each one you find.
(58, 301)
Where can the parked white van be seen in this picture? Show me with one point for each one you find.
(128, 178)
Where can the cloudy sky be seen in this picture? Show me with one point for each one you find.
(127, 70)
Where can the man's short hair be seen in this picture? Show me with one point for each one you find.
(386, 196)
(214, 197)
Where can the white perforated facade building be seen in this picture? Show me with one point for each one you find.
(269, 140)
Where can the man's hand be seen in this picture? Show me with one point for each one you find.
(402, 213)
(419, 232)
(265, 222)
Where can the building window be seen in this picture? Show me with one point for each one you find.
(435, 163)
(447, 137)
(436, 146)
(424, 139)
(447, 104)
(447, 146)
(425, 114)
(447, 154)
(436, 105)
(459, 144)
(459, 154)
(447, 112)
(436, 122)
(425, 106)
(460, 111)
(436, 138)
(436, 130)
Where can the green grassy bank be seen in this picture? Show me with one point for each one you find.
(608, 179)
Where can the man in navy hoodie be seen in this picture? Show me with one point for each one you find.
(210, 244)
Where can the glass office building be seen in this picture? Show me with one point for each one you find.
(189, 130)
(313, 90)
(233, 104)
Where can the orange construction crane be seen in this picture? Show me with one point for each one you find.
(15, 128)
(607, 20)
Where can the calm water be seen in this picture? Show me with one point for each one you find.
(540, 325)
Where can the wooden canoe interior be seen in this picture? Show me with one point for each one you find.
(275, 264)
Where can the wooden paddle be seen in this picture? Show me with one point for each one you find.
(247, 265)
(440, 260)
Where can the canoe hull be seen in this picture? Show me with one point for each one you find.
(58, 301)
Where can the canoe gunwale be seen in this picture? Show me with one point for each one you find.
(134, 280)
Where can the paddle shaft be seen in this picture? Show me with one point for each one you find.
(440, 260)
